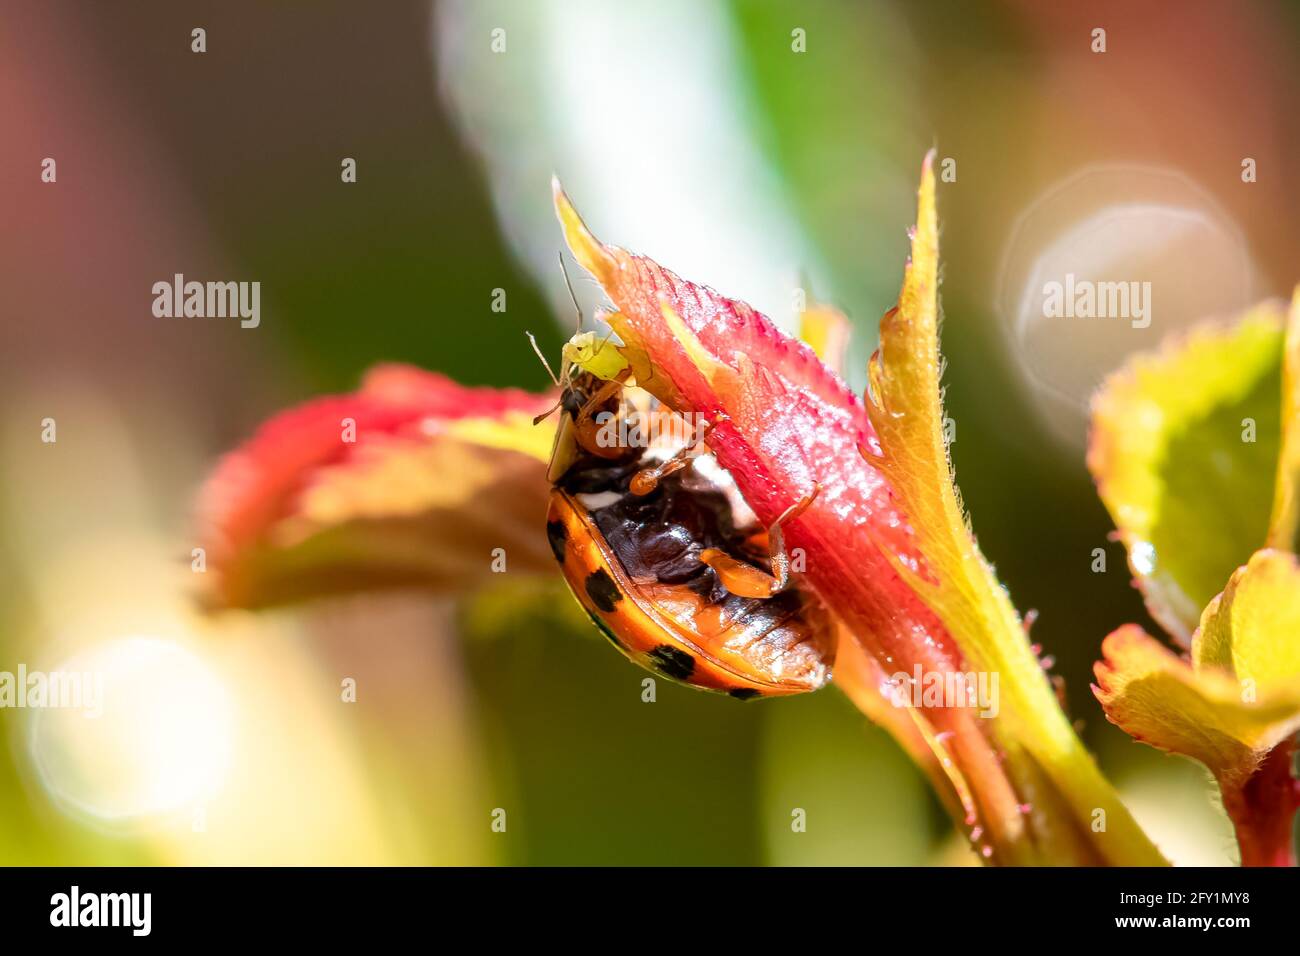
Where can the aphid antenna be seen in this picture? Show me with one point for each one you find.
(568, 284)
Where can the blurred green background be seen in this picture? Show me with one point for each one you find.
(693, 132)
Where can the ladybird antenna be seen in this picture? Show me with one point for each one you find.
(545, 364)
(564, 271)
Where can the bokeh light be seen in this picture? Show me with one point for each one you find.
(1180, 255)
(161, 742)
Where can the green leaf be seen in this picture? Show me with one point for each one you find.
(1184, 448)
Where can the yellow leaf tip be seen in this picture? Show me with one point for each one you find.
(587, 249)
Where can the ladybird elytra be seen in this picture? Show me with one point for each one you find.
(629, 526)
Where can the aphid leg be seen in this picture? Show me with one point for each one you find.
(647, 479)
(538, 419)
(545, 364)
(558, 383)
(745, 580)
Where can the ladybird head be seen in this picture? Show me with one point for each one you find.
(590, 410)
(592, 373)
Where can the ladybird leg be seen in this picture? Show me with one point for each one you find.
(588, 430)
(600, 396)
(647, 479)
(781, 560)
(739, 577)
(745, 580)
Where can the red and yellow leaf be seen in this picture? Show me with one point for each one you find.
(1233, 707)
(411, 481)
(1158, 698)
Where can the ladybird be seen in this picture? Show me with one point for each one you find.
(664, 556)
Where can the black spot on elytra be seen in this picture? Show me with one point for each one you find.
(672, 662)
(744, 693)
(557, 534)
(602, 590)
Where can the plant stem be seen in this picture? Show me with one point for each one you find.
(1262, 810)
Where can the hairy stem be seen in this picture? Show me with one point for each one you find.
(1263, 808)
